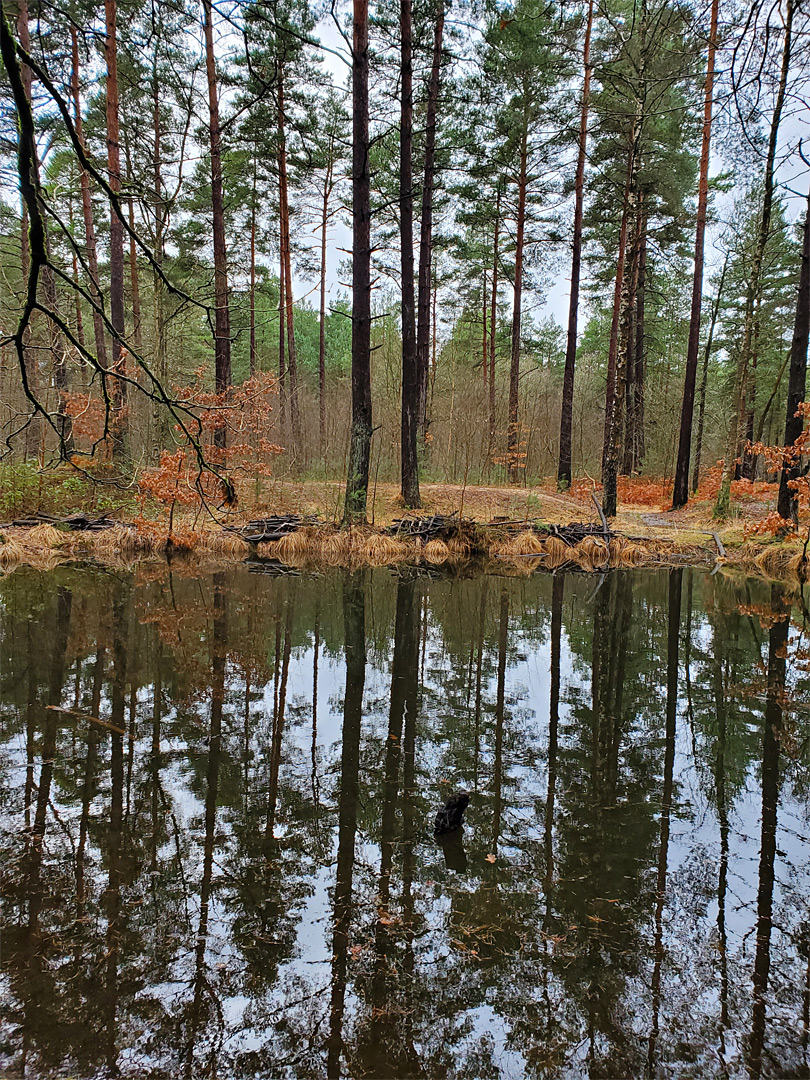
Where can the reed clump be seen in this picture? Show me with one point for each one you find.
(12, 551)
(382, 550)
(46, 536)
(436, 552)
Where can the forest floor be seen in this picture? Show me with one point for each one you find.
(645, 518)
(646, 533)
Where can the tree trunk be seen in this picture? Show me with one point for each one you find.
(613, 346)
(630, 394)
(788, 504)
(484, 334)
(87, 207)
(723, 502)
(282, 325)
(567, 412)
(620, 331)
(426, 222)
(327, 188)
(119, 392)
(512, 434)
(159, 344)
(360, 445)
(493, 319)
(286, 250)
(410, 372)
(705, 379)
(253, 270)
(222, 323)
(133, 278)
(640, 441)
(680, 494)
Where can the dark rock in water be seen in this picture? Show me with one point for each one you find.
(451, 816)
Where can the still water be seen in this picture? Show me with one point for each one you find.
(216, 805)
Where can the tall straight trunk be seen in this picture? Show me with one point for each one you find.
(747, 466)
(788, 504)
(410, 373)
(24, 35)
(680, 495)
(158, 313)
(704, 379)
(360, 445)
(327, 188)
(640, 368)
(426, 221)
(87, 206)
(222, 321)
(620, 333)
(484, 334)
(282, 324)
(119, 393)
(286, 251)
(33, 431)
(723, 501)
(567, 412)
(512, 432)
(253, 270)
(80, 337)
(493, 318)
(134, 282)
(613, 346)
(630, 395)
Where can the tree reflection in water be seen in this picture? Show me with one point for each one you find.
(217, 797)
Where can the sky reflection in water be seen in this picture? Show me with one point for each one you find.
(220, 861)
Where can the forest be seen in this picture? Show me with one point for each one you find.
(470, 243)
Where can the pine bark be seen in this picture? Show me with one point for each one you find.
(327, 188)
(639, 437)
(567, 411)
(680, 495)
(493, 319)
(788, 504)
(253, 271)
(704, 380)
(513, 433)
(116, 239)
(286, 248)
(426, 222)
(360, 443)
(410, 373)
(222, 320)
(159, 317)
(87, 208)
(613, 345)
(282, 330)
(620, 330)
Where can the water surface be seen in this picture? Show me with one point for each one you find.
(216, 803)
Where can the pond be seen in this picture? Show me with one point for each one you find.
(217, 796)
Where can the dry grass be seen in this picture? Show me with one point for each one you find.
(46, 536)
(436, 552)
(12, 552)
